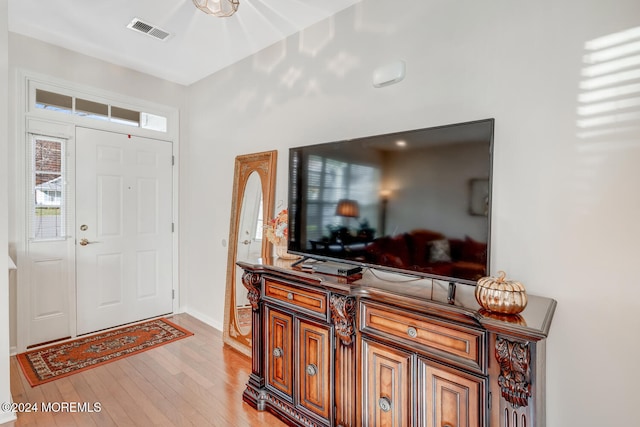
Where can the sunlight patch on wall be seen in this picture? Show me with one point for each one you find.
(316, 37)
(290, 77)
(608, 145)
(365, 21)
(609, 98)
(312, 88)
(268, 59)
(342, 63)
(244, 99)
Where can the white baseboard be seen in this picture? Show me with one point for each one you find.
(7, 417)
(204, 318)
(13, 351)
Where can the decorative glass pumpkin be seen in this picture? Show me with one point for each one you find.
(501, 296)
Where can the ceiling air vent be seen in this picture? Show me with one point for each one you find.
(148, 29)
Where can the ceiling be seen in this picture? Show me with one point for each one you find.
(198, 44)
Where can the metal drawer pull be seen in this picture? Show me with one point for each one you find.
(312, 369)
(289, 296)
(385, 404)
(412, 332)
(277, 352)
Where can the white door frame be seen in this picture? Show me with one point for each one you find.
(49, 123)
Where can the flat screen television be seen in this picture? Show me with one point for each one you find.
(416, 202)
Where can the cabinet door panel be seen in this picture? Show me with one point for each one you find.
(280, 351)
(451, 400)
(387, 386)
(314, 368)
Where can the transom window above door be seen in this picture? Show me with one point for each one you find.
(68, 104)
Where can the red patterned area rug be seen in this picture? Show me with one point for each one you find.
(60, 360)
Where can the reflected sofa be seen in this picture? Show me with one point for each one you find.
(430, 252)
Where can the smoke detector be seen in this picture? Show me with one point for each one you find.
(149, 29)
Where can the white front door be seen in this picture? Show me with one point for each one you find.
(123, 229)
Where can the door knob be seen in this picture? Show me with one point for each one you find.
(246, 242)
(84, 242)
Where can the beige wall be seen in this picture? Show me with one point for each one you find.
(566, 204)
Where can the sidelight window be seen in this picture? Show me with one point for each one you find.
(48, 204)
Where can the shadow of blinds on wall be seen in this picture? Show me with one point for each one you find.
(609, 98)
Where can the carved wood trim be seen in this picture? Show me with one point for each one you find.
(295, 415)
(345, 386)
(251, 281)
(343, 314)
(515, 372)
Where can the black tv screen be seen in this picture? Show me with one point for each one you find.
(416, 202)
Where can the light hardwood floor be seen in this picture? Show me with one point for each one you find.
(195, 381)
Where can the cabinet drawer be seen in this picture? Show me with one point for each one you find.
(315, 301)
(456, 344)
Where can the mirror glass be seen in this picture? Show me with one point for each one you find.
(249, 246)
(252, 202)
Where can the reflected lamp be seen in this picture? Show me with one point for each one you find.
(348, 208)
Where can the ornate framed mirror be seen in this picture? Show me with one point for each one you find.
(252, 203)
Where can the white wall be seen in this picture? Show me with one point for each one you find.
(566, 206)
(5, 391)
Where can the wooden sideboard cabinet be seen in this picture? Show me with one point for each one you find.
(404, 349)
(332, 351)
(298, 351)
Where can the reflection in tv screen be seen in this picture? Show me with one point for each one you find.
(416, 202)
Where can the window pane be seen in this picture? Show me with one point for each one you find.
(124, 116)
(99, 111)
(91, 108)
(47, 218)
(153, 122)
(48, 156)
(53, 101)
(260, 222)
